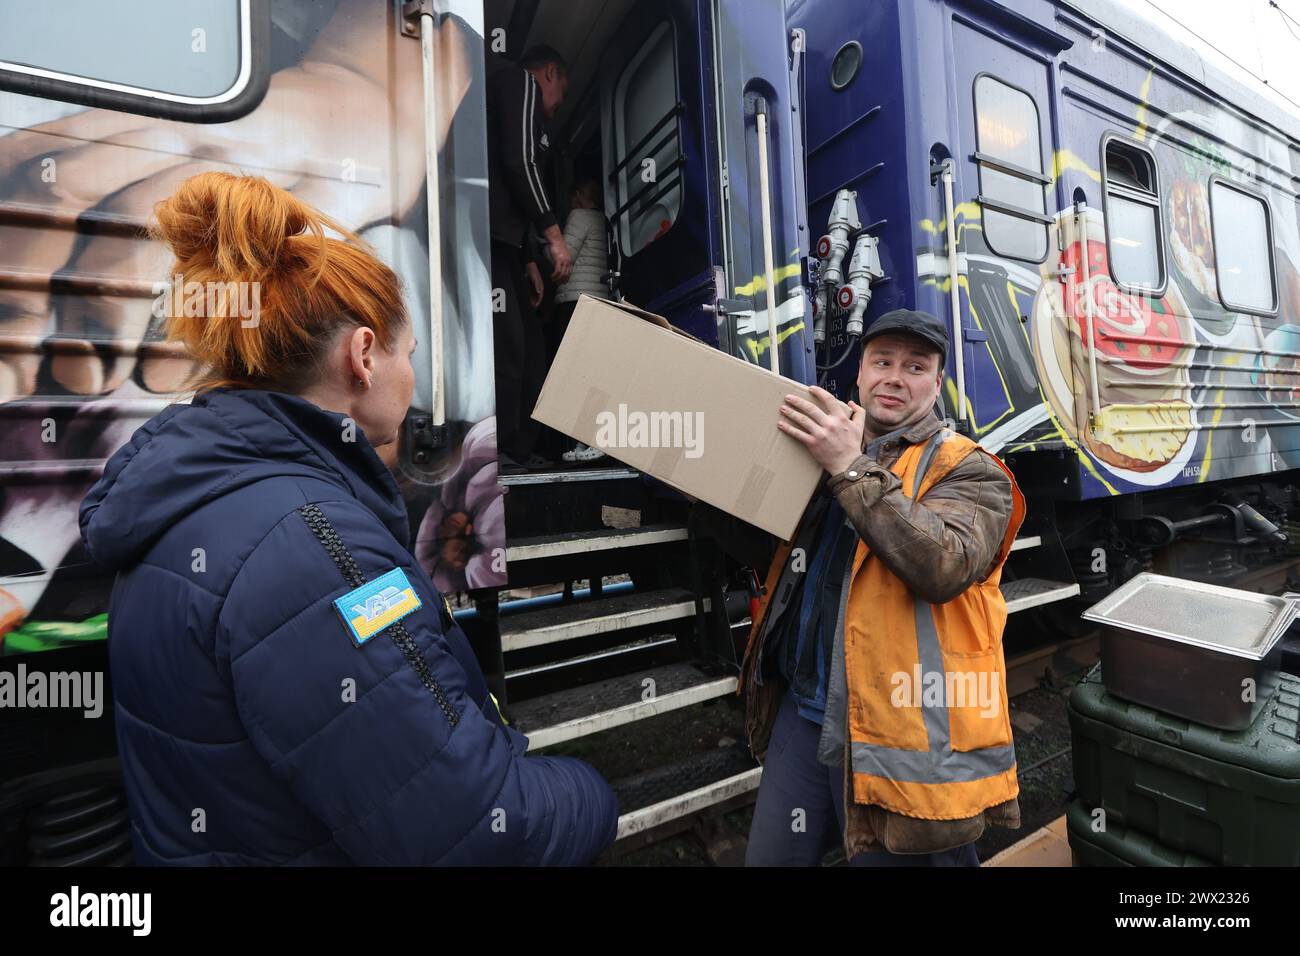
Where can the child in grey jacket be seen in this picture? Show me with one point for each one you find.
(584, 234)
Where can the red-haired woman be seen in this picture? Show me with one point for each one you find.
(289, 687)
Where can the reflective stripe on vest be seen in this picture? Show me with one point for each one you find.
(939, 764)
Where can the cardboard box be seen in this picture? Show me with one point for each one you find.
(629, 383)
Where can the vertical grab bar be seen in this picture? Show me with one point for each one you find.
(1081, 222)
(434, 213)
(954, 294)
(765, 196)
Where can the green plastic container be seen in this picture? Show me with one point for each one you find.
(1116, 846)
(1228, 798)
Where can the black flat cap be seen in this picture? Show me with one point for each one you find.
(921, 324)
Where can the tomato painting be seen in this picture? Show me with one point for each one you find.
(1140, 331)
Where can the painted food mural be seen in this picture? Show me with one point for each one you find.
(1187, 389)
(1142, 429)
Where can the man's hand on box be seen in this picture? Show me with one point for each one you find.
(831, 435)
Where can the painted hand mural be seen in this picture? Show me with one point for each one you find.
(82, 357)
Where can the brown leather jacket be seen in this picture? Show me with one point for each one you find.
(938, 548)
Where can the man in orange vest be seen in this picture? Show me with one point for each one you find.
(874, 675)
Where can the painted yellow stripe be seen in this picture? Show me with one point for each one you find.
(759, 283)
(1063, 160)
(1144, 94)
(758, 346)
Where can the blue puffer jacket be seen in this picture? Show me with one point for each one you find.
(253, 728)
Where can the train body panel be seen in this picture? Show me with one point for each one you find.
(1060, 127)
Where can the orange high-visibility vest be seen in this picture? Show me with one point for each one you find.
(929, 726)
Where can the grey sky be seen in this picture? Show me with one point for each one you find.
(1264, 44)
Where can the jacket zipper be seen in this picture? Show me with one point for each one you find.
(320, 526)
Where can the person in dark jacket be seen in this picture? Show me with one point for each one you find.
(290, 688)
(520, 98)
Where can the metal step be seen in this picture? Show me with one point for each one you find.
(1025, 593)
(591, 708)
(563, 622)
(1029, 541)
(620, 472)
(602, 539)
(657, 796)
(687, 803)
(689, 772)
(605, 654)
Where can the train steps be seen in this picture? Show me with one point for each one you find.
(583, 636)
(566, 622)
(589, 708)
(1023, 593)
(587, 542)
(663, 794)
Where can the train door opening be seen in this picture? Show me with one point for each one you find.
(681, 113)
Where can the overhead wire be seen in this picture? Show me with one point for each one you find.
(1241, 66)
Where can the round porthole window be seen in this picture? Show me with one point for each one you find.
(845, 66)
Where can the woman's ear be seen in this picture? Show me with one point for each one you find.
(361, 360)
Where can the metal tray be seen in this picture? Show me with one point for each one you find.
(1193, 649)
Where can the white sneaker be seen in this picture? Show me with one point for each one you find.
(583, 453)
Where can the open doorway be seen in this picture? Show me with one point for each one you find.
(613, 173)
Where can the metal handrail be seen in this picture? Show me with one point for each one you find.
(677, 108)
(649, 186)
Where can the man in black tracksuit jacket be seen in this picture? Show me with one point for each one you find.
(519, 100)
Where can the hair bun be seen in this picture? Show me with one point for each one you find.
(243, 245)
(238, 225)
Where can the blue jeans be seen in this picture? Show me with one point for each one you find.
(793, 781)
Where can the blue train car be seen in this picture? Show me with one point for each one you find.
(1120, 222)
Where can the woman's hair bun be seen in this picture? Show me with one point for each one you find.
(253, 242)
(237, 225)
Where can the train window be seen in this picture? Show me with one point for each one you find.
(845, 65)
(1134, 242)
(1008, 142)
(1243, 248)
(200, 60)
(647, 176)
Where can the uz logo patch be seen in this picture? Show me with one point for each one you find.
(370, 608)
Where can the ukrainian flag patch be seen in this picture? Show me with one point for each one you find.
(376, 604)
